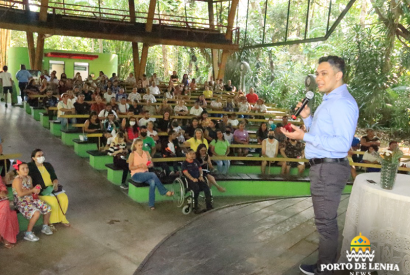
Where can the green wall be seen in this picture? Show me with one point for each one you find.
(108, 63)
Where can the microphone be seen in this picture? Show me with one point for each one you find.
(309, 96)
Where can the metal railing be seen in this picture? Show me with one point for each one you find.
(122, 16)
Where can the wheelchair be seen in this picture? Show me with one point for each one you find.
(183, 196)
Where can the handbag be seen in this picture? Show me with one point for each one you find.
(59, 189)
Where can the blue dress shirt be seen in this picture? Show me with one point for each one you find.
(23, 76)
(331, 130)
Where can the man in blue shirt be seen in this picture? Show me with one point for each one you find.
(23, 77)
(328, 139)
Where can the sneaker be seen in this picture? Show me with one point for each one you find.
(47, 230)
(29, 236)
(308, 269)
(124, 186)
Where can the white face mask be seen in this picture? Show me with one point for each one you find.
(270, 122)
(132, 123)
(41, 159)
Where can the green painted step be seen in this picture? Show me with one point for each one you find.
(81, 147)
(23, 222)
(98, 159)
(67, 136)
(55, 127)
(114, 174)
(27, 107)
(35, 112)
(256, 169)
(239, 188)
(45, 122)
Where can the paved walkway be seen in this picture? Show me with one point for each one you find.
(111, 234)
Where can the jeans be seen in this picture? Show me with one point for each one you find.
(327, 181)
(64, 122)
(22, 86)
(223, 166)
(153, 181)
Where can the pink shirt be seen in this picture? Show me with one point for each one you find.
(241, 135)
(139, 160)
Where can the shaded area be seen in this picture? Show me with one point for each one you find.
(269, 237)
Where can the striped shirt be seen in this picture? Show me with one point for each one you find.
(115, 148)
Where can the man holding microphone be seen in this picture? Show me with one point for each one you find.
(328, 139)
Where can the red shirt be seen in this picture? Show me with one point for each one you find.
(288, 127)
(252, 98)
(97, 107)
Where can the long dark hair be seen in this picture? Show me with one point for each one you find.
(135, 128)
(260, 131)
(33, 154)
(94, 114)
(223, 137)
(198, 151)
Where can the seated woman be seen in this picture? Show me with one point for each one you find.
(206, 165)
(220, 147)
(131, 129)
(202, 101)
(44, 175)
(195, 141)
(118, 150)
(164, 124)
(170, 149)
(93, 125)
(139, 162)
(371, 156)
(27, 203)
(9, 227)
(241, 136)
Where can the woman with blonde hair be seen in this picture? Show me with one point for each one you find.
(196, 140)
(139, 162)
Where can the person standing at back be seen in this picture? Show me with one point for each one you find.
(328, 139)
(23, 76)
(7, 82)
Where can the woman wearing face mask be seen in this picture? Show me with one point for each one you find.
(44, 175)
(27, 204)
(131, 130)
(228, 135)
(270, 148)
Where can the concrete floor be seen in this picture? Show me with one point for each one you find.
(110, 233)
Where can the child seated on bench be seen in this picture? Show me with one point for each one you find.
(193, 172)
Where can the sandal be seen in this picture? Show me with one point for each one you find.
(152, 208)
(169, 194)
(66, 224)
(9, 245)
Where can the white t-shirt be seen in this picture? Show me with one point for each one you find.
(123, 108)
(143, 121)
(104, 113)
(171, 147)
(152, 134)
(73, 100)
(6, 78)
(131, 80)
(196, 112)
(145, 83)
(229, 138)
(168, 95)
(233, 122)
(149, 97)
(178, 108)
(243, 107)
(370, 157)
(62, 105)
(110, 140)
(216, 104)
(108, 97)
(154, 90)
(134, 96)
(260, 108)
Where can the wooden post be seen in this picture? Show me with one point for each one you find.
(31, 50)
(224, 59)
(136, 58)
(39, 52)
(144, 58)
(231, 18)
(150, 17)
(215, 65)
(211, 14)
(43, 10)
(132, 10)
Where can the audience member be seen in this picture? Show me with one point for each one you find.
(103, 115)
(28, 203)
(229, 87)
(210, 131)
(134, 95)
(123, 107)
(170, 148)
(174, 77)
(131, 129)
(194, 174)
(111, 124)
(228, 135)
(144, 120)
(118, 150)
(372, 156)
(114, 105)
(217, 106)
(139, 162)
(145, 81)
(9, 227)
(98, 105)
(190, 130)
(50, 101)
(233, 121)
(368, 140)
(241, 136)
(207, 92)
(270, 149)
(165, 107)
(196, 110)
(262, 132)
(121, 94)
(206, 164)
(149, 97)
(220, 147)
(180, 109)
(164, 124)
(196, 140)
(252, 97)
(155, 79)
(42, 173)
(134, 108)
(229, 106)
(244, 107)
(148, 142)
(223, 123)
(131, 79)
(154, 90)
(151, 131)
(108, 95)
(202, 102)
(292, 149)
(260, 106)
(65, 108)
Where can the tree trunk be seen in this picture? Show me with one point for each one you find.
(100, 42)
(4, 45)
(363, 13)
(165, 60)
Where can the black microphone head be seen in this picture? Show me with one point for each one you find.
(310, 95)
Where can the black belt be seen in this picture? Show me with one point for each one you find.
(326, 160)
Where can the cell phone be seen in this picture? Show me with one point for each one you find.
(371, 181)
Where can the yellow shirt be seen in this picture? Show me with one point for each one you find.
(45, 175)
(208, 94)
(194, 143)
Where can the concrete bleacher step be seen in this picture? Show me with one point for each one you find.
(68, 135)
(114, 174)
(81, 147)
(99, 159)
(55, 128)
